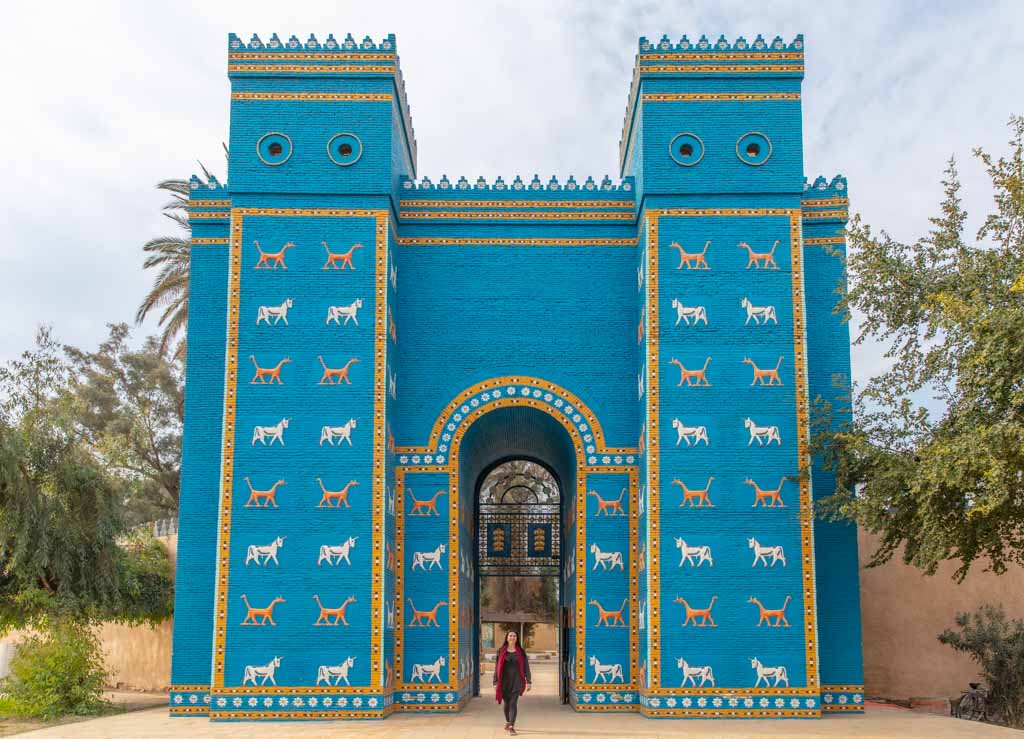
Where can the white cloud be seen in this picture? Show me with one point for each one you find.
(105, 100)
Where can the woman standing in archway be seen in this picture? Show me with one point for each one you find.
(511, 678)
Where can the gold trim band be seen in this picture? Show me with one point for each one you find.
(312, 56)
(721, 68)
(823, 214)
(498, 241)
(823, 202)
(517, 204)
(719, 56)
(421, 215)
(824, 240)
(312, 68)
(323, 97)
(665, 97)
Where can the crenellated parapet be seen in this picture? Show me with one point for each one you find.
(714, 49)
(535, 187)
(822, 188)
(348, 45)
(533, 200)
(208, 202)
(212, 189)
(824, 203)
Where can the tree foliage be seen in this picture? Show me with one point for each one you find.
(129, 405)
(950, 310)
(62, 531)
(996, 643)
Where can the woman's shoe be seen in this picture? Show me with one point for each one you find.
(507, 727)
(512, 730)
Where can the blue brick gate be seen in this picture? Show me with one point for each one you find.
(364, 344)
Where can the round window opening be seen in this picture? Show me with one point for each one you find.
(344, 149)
(274, 149)
(686, 149)
(753, 148)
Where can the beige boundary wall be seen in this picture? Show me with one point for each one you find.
(902, 611)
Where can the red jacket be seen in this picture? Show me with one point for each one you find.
(501, 666)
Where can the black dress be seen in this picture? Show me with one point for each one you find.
(512, 683)
(511, 680)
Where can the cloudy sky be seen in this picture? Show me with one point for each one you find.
(105, 99)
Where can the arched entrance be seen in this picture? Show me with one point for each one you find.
(436, 487)
(518, 464)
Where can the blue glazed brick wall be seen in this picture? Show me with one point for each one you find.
(197, 531)
(515, 317)
(836, 557)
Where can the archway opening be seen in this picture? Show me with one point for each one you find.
(518, 556)
(517, 472)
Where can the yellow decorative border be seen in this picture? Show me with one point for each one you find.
(453, 578)
(605, 707)
(189, 710)
(312, 56)
(209, 215)
(824, 240)
(501, 382)
(313, 68)
(842, 688)
(822, 202)
(210, 241)
(500, 241)
(731, 712)
(803, 452)
(720, 68)
(238, 215)
(703, 97)
(839, 708)
(327, 97)
(428, 215)
(297, 715)
(199, 203)
(717, 56)
(442, 203)
(580, 684)
(810, 215)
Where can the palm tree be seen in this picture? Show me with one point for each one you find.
(171, 255)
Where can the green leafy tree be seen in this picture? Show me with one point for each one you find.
(950, 311)
(63, 547)
(996, 643)
(129, 406)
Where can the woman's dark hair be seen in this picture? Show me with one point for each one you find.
(504, 644)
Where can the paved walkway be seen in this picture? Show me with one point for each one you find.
(540, 716)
